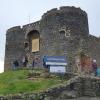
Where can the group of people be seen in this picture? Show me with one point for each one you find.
(83, 65)
(24, 63)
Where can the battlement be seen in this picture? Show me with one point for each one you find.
(31, 25)
(15, 28)
(24, 27)
(94, 38)
(66, 9)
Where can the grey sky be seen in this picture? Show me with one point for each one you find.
(16, 12)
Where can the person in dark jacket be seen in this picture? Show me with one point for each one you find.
(15, 64)
(33, 63)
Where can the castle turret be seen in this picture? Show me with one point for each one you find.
(14, 46)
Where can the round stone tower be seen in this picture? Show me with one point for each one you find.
(62, 31)
(59, 28)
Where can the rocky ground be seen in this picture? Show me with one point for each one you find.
(86, 98)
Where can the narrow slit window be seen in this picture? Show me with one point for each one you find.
(26, 44)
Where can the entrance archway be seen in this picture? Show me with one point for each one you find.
(33, 38)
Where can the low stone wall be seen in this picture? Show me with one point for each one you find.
(87, 86)
(74, 88)
(50, 94)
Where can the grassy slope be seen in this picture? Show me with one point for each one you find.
(16, 82)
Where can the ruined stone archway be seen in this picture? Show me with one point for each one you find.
(33, 38)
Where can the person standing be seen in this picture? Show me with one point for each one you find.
(15, 65)
(33, 63)
(94, 67)
(25, 61)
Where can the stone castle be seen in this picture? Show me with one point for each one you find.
(60, 32)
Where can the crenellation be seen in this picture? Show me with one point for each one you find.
(66, 9)
(31, 24)
(93, 38)
(52, 11)
(72, 9)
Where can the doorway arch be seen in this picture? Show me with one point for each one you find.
(33, 37)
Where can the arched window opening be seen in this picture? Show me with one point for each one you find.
(26, 46)
(34, 39)
(64, 32)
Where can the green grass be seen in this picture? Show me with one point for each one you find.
(13, 82)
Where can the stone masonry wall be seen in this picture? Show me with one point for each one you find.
(15, 39)
(63, 32)
(14, 46)
(56, 43)
(93, 45)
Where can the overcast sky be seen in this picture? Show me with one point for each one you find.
(17, 12)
